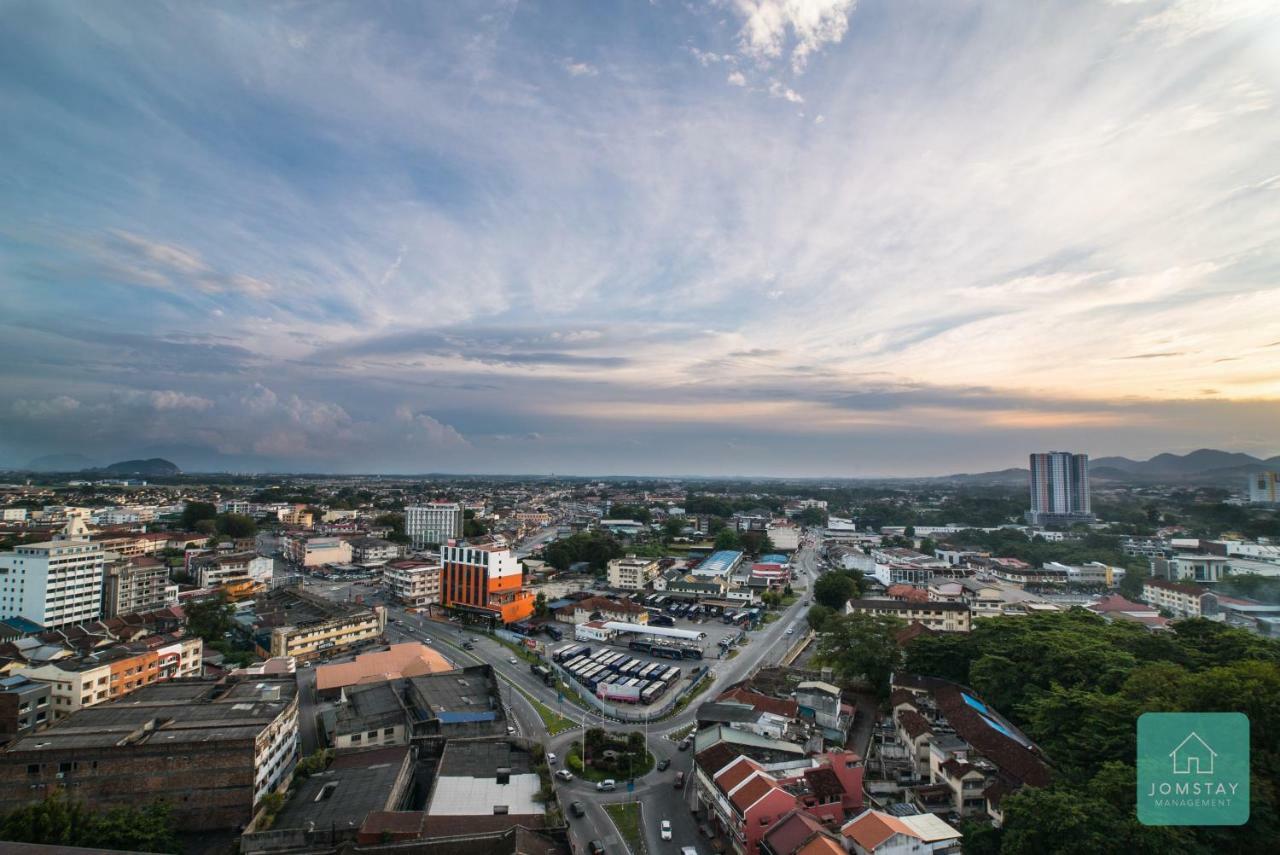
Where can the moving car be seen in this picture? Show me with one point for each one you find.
(595, 847)
(679, 782)
(577, 808)
(684, 744)
(514, 661)
(564, 774)
(607, 786)
(664, 830)
(663, 764)
(551, 759)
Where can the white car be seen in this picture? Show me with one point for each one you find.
(607, 786)
(514, 661)
(665, 829)
(551, 759)
(564, 774)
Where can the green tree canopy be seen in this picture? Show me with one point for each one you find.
(862, 645)
(194, 512)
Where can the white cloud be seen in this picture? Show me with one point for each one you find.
(770, 27)
(48, 408)
(778, 90)
(737, 78)
(579, 69)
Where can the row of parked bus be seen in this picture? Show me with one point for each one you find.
(665, 650)
(617, 676)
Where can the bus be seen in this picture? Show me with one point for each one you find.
(729, 616)
(649, 670)
(572, 651)
(543, 673)
(690, 653)
(652, 692)
(671, 675)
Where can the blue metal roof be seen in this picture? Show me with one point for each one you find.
(721, 561)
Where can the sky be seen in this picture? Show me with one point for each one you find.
(738, 237)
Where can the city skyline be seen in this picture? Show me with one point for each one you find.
(827, 239)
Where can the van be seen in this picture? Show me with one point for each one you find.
(679, 782)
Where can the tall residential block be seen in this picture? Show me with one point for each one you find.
(1264, 488)
(433, 524)
(485, 579)
(53, 584)
(1059, 488)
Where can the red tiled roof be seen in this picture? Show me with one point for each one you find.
(737, 772)
(908, 593)
(755, 788)
(914, 723)
(792, 830)
(873, 828)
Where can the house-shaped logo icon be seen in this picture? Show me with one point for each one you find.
(1193, 756)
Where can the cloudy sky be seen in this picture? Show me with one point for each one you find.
(805, 237)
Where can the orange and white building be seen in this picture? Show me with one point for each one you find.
(486, 579)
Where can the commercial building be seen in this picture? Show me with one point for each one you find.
(137, 585)
(315, 551)
(214, 570)
(1181, 599)
(1059, 489)
(605, 609)
(94, 678)
(53, 584)
(720, 563)
(425, 709)
(632, 573)
(211, 750)
(433, 524)
(485, 785)
(484, 579)
(938, 616)
(290, 622)
(1202, 568)
(413, 583)
(1264, 488)
(374, 551)
(874, 832)
(407, 659)
(745, 797)
(25, 707)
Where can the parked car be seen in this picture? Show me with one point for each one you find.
(577, 809)
(664, 830)
(564, 774)
(663, 764)
(607, 786)
(684, 744)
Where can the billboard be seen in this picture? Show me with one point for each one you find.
(617, 692)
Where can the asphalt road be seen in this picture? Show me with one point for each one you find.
(655, 792)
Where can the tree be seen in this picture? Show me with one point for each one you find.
(862, 646)
(818, 617)
(474, 528)
(194, 512)
(631, 512)
(812, 517)
(673, 527)
(59, 821)
(834, 590)
(206, 526)
(540, 607)
(211, 618)
(756, 542)
(728, 538)
(236, 525)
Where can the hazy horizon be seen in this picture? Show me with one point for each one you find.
(818, 239)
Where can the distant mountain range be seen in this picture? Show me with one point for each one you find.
(1207, 466)
(152, 467)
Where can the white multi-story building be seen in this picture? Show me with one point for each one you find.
(213, 570)
(13, 515)
(436, 523)
(413, 583)
(315, 551)
(53, 584)
(632, 573)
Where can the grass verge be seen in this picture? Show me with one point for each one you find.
(685, 700)
(626, 818)
(554, 722)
